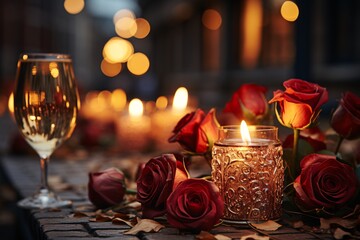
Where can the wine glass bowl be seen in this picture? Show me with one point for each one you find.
(46, 104)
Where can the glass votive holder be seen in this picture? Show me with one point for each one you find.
(249, 174)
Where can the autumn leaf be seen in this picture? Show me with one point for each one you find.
(346, 223)
(266, 226)
(145, 225)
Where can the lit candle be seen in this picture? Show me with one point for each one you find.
(134, 128)
(165, 119)
(247, 167)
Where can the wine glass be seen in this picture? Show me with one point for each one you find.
(46, 104)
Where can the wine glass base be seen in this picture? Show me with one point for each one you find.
(43, 201)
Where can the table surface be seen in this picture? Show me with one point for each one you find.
(72, 177)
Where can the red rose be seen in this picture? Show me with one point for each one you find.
(196, 132)
(195, 204)
(106, 188)
(324, 182)
(156, 182)
(248, 103)
(300, 103)
(346, 118)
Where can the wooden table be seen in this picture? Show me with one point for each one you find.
(23, 173)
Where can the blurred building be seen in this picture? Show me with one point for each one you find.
(210, 47)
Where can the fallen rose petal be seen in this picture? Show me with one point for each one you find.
(254, 237)
(145, 225)
(266, 226)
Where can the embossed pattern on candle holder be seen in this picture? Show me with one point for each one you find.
(250, 179)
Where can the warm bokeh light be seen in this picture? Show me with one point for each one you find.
(143, 28)
(138, 63)
(161, 102)
(25, 57)
(110, 69)
(211, 19)
(180, 99)
(74, 6)
(117, 50)
(126, 27)
(11, 103)
(118, 99)
(136, 107)
(123, 13)
(289, 11)
(245, 134)
(54, 72)
(252, 26)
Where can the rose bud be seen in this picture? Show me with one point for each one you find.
(157, 180)
(248, 103)
(346, 118)
(324, 182)
(106, 188)
(196, 204)
(196, 132)
(299, 104)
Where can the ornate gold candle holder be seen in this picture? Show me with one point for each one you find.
(249, 173)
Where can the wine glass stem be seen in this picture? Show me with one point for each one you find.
(44, 173)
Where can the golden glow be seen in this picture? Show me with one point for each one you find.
(74, 6)
(211, 19)
(161, 102)
(118, 99)
(123, 13)
(245, 134)
(143, 28)
(289, 11)
(11, 103)
(35, 98)
(25, 57)
(33, 70)
(136, 108)
(110, 69)
(54, 72)
(117, 50)
(138, 63)
(126, 27)
(180, 99)
(252, 32)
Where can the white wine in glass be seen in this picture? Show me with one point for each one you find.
(46, 104)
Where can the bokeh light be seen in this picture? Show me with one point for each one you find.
(143, 28)
(289, 11)
(136, 107)
(118, 99)
(126, 27)
(161, 102)
(110, 69)
(211, 19)
(123, 13)
(180, 99)
(74, 6)
(138, 63)
(117, 50)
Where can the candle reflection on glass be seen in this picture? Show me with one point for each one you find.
(247, 167)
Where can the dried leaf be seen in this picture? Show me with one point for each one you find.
(222, 237)
(346, 223)
(122, 221)
(255, 237)
(145, 225)
(266, 226)
(136, 205)
(203, 235)
(103, 218)
(340, 234)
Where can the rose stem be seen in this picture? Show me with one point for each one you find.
(339, 144)
(294, 164)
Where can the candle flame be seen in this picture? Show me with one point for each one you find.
(180, 99)
(136, 108)
(245, 134)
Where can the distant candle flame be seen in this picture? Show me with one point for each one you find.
(245, 134)
(136, 108)
(180, 99)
